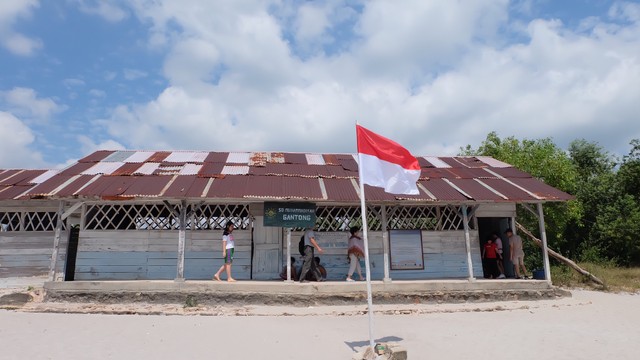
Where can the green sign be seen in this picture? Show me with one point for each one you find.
(289, 214)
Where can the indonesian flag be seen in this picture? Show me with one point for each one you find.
(385, 163)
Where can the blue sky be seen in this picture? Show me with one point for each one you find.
(82, 75)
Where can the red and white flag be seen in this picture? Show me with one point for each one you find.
(385, 163)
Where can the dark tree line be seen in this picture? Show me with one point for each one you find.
(602, 223)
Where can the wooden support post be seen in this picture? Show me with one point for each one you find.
(467, 239)
(289, 280)
(385, 244)
(545, 253)
(181, 239)
(56, 242)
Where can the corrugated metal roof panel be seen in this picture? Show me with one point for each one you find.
(436, 162)
(77, 168)
(468, 173)
(434, 173)
(117, 185)
(103, 168)
(22, 177)
(217, 157)
(508, 190)
(150, 185)
(97, 187)
(186, 157)
(330, 159)
(44, 176)
(442, 191)
(238, 158)
(235, 170)
(541, 189)
(492, 162)
(10, 192)
(139, 156)
(191, 169)
(180, 186)
(158, 157)
(470, 161)
(295, 158)
(127, 169)
(118, 156)
(197, 188)
(258, 158)
(211, 169)
(476, 190)
(276, 187)
(96, 156)
(511, 172)
(340, 190)
(47, 187)
(315, 159)
(349, 163)
(6, 175)
(75, 185)
(169, 168)
(453, 162)
(147, 168)
(277, 158)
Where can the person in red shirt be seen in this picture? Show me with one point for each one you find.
(490, 257)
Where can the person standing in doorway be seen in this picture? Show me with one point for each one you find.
(309, 264)
(490, 255)
(516, 254)
(228, 246)
(355, 252)
(500, 259)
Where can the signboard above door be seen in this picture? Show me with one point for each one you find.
(290, 214)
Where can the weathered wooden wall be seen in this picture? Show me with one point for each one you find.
(28, 253)
(153, 255)
(445, 255)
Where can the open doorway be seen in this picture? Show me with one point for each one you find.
(489, 225)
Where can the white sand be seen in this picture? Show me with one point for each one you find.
(591, 325)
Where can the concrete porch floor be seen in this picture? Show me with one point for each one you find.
(280, 292)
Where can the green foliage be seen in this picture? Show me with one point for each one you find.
(602, 224)
(190, 302)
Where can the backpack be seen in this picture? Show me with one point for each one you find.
(301, 245)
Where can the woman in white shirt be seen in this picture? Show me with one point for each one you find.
(228, 246)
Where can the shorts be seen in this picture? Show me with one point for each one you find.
(229, 258)
(518, 260)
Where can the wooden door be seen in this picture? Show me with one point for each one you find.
(267, 244)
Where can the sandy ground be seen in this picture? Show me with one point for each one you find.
(589, 325)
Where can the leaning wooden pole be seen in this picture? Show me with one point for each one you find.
(559, 257)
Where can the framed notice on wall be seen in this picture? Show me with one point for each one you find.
(405, 250)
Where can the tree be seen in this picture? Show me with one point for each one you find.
(544, 161)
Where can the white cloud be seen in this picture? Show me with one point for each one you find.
(15, 141)
(15, 42)
(25, 102)
(133, 74)
(72, 82)
(97, 93)
(88, 146)
(433, 76)
(105, 9)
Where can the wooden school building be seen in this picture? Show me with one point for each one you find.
(151, 215)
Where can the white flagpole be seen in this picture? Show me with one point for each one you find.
(363, 212)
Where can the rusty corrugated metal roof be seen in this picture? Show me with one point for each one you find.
(268, 175)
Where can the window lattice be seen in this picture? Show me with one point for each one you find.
(28, 221)
(412, 217)
(10, 221)
(341, 218)
(216, 217)
(160, 217)
(130, 217)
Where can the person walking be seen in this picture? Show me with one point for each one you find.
(516, 254)
(355, 252)
(228, 246)
(309, 264)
